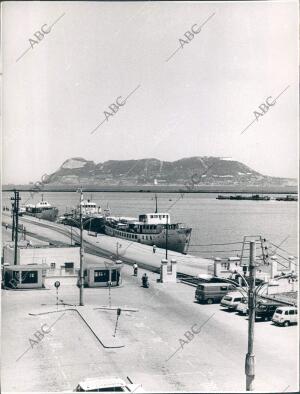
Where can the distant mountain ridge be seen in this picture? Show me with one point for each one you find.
(209, 170)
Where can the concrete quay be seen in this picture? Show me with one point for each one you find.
(129, 252)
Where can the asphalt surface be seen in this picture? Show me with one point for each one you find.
(157, 353)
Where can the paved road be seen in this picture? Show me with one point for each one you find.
(212, 361)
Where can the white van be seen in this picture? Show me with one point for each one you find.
(231, 300)
(285, 315)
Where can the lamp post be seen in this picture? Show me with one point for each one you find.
(81, 252)
(167, 225)
(80, 223)
(250, 357)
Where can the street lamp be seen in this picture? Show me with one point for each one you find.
(80, 223)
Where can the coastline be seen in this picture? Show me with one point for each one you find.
(240, 189)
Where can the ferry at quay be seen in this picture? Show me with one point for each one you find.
(149, 229)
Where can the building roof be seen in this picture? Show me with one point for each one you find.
(91, 261)
(27, 267)
(24, 245)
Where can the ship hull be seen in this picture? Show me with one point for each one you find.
(178, 239)
(90, 223)
(49, 214)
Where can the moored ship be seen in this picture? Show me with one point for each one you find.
(150, 229)
(287, 198)
(42, 210)
(92, 217)
(254, 197)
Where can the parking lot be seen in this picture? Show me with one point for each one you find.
(159, 352)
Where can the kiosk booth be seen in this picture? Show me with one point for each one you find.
(25, 276)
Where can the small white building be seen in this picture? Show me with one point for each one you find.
(99, 271)
(60, 260)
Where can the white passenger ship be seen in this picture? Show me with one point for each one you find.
(150, 229)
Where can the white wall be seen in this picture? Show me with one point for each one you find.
(42, 255)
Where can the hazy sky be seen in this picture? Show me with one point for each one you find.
(195, 104)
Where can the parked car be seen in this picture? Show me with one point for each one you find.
(242, 307)
(232, 299)
(285, 315)
(110, 384)
(212, 292)
(265, 310)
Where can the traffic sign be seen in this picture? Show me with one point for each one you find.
(57, 284)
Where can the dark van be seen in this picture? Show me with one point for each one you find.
(266, 310)
(212, 292)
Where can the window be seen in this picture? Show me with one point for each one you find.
(279, 311)
(113, 275)
(237, 299)
(29, 277)
(286, 312)
(101, 275)
(291, 312)
(52, 266)
(223, 287)
(69, 267)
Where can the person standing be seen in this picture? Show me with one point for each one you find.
(154, 248)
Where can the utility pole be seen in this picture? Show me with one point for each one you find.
(81, 251)
(167, 225)
(250, 357)
(15, 229)
(13, 220)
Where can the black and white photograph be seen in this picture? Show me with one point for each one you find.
(149, 196)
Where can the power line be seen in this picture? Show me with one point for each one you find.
(218, 251)
(227, 243)
(278, 247)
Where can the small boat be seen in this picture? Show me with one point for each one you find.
(287, 198)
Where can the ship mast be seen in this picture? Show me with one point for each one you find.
(167, 227)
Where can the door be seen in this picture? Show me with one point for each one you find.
(292, 316)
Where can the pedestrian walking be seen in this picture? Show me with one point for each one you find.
(154, 248)
(135, 269)
(6, 226)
